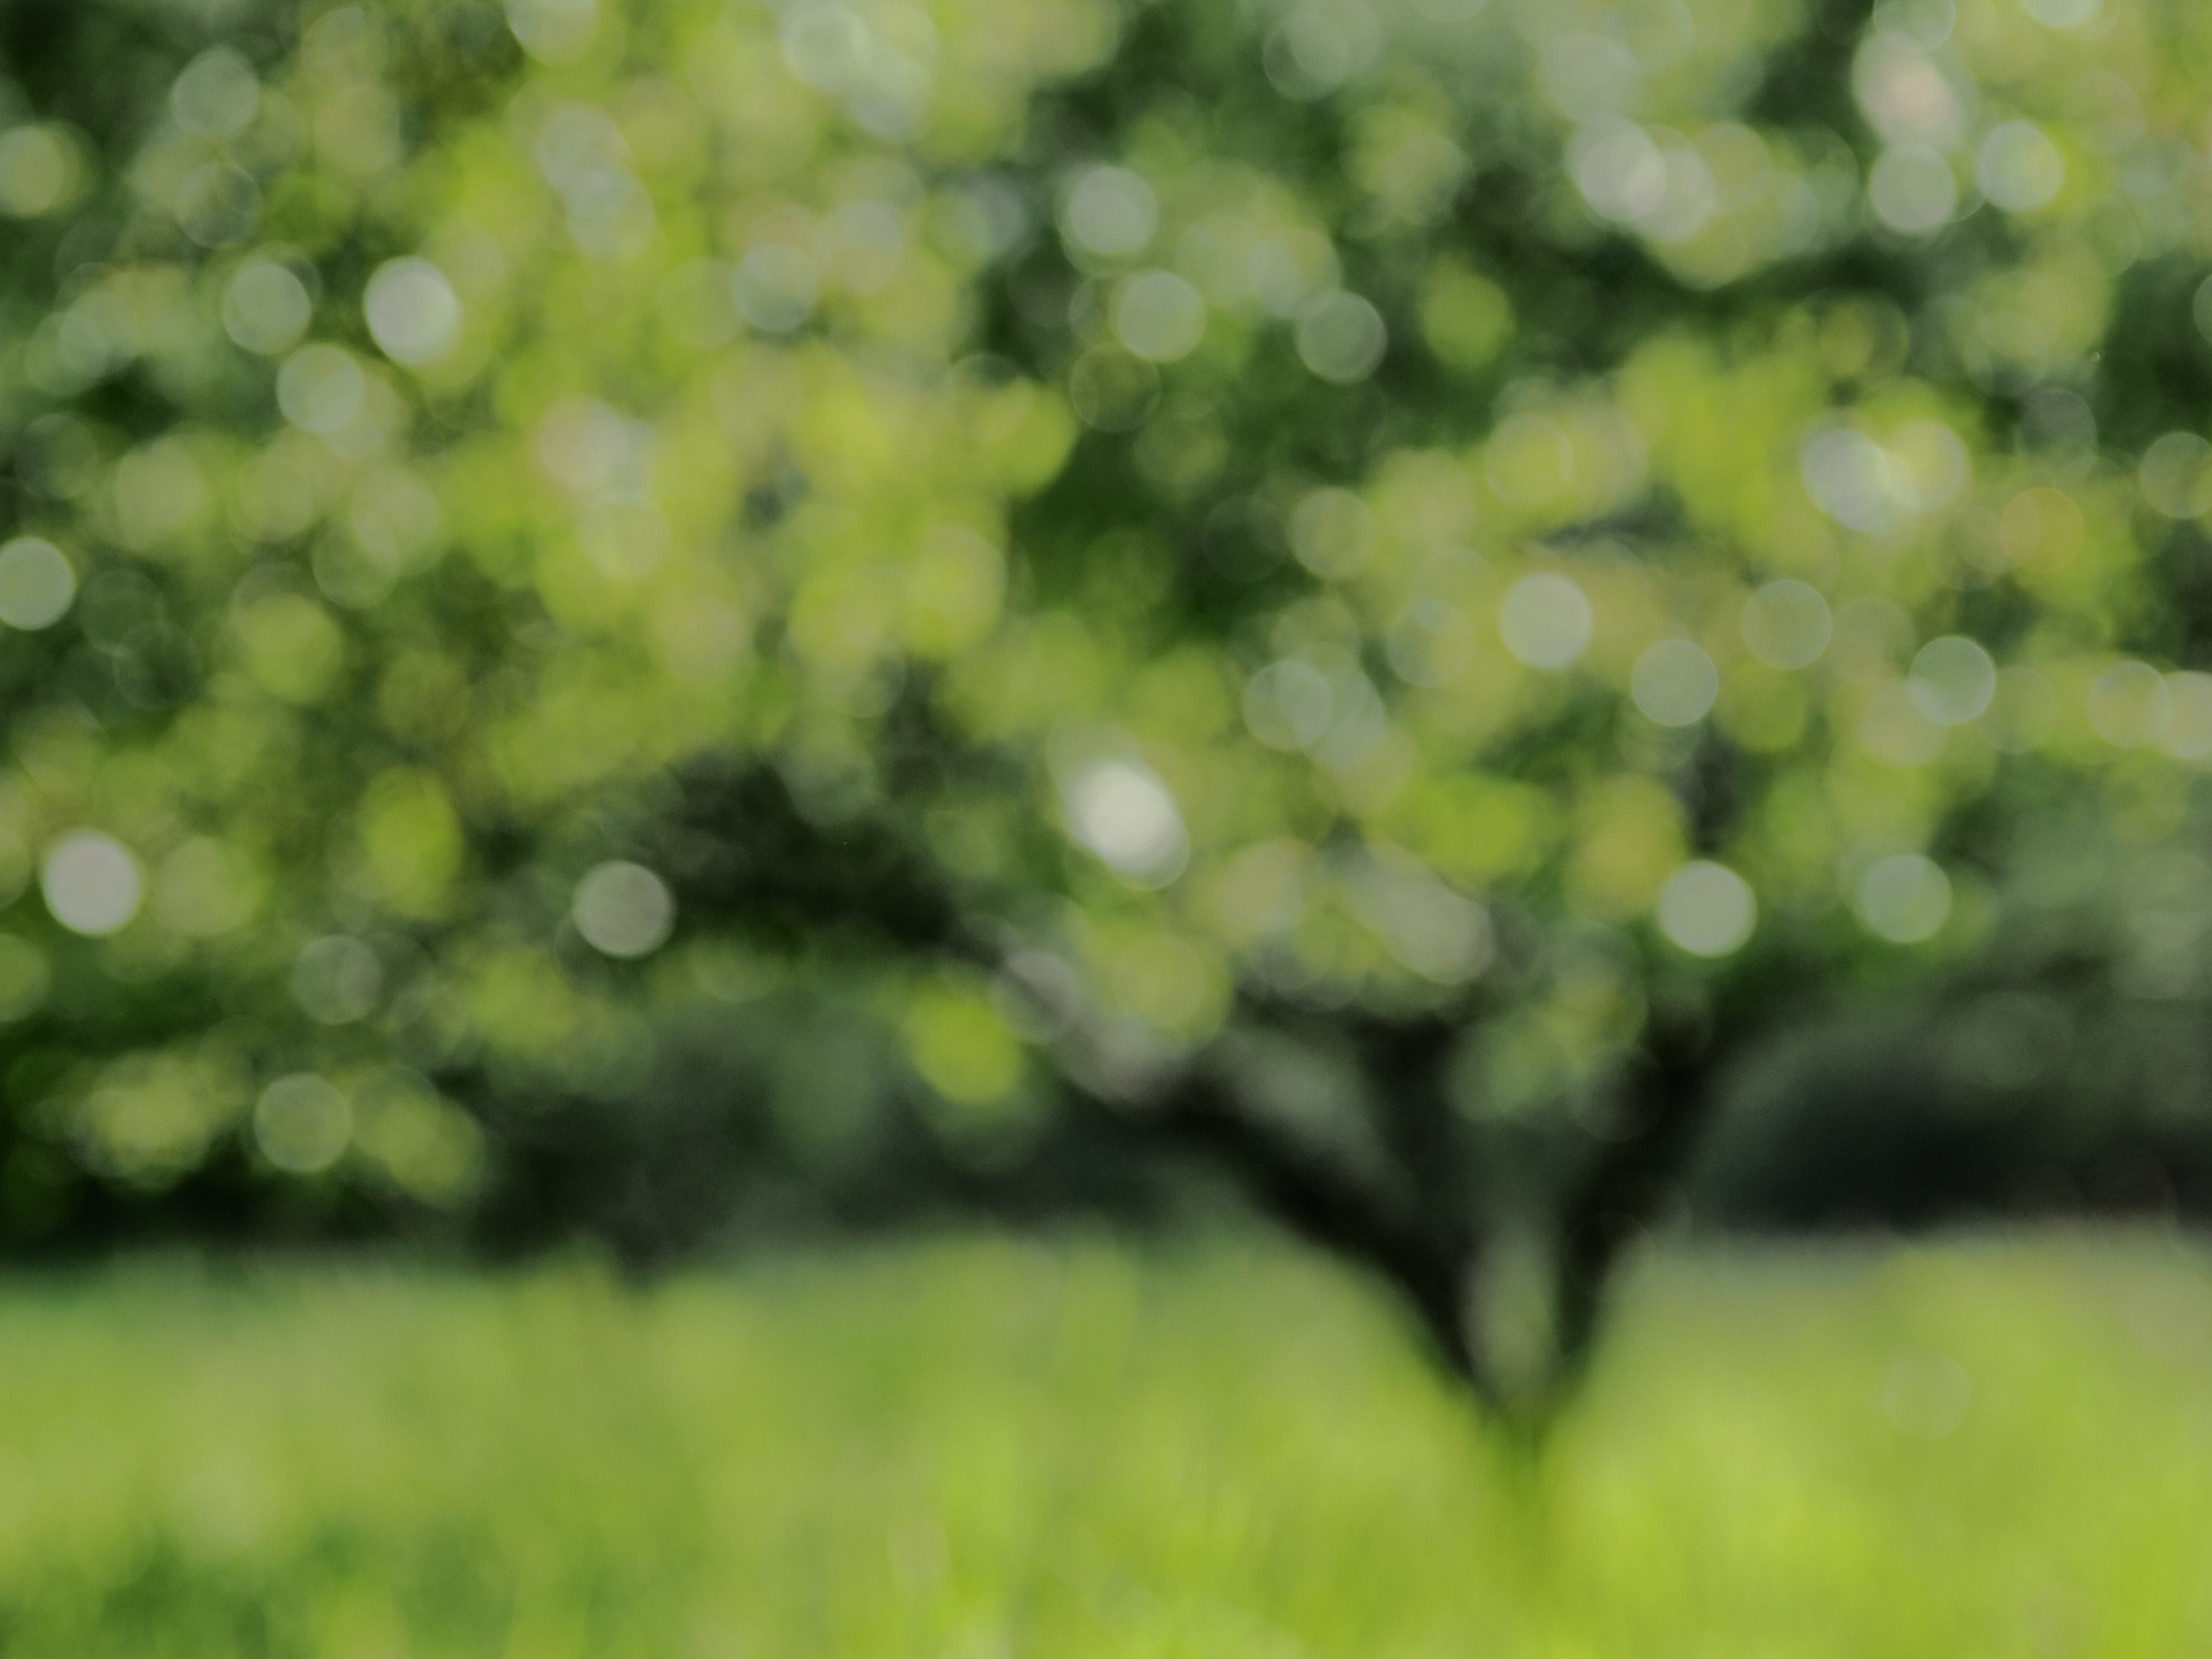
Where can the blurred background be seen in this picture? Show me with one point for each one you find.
(897, 748)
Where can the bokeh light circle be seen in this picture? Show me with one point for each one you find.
(1546, 621)
(36, 584)
(624, 909)
(1904, 898)
(413, 313)
(1707, 909)
(303, 1123)
(1674, 682)
(91, 883)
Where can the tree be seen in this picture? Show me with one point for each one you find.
(1377, 591)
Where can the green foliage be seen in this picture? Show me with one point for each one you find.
(971, 1448)
(563, 564)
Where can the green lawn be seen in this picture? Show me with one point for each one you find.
(975, 1449)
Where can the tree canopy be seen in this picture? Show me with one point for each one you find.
(1375, 589)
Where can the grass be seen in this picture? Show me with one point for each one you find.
(979, 1450)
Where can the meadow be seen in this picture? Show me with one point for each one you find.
(980, 1450)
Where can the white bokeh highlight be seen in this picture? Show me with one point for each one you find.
(623, 909)
(413, 313)
(267, 308)
(1787, 624)
(1159, 316)
(1674, 682)
(36, 584)
(1122, 812)
(1904, 898)
(1546, 621)
(1109, 213)
(1707, 909)
(1952, 680)
(302, 1124)
(91, 883)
